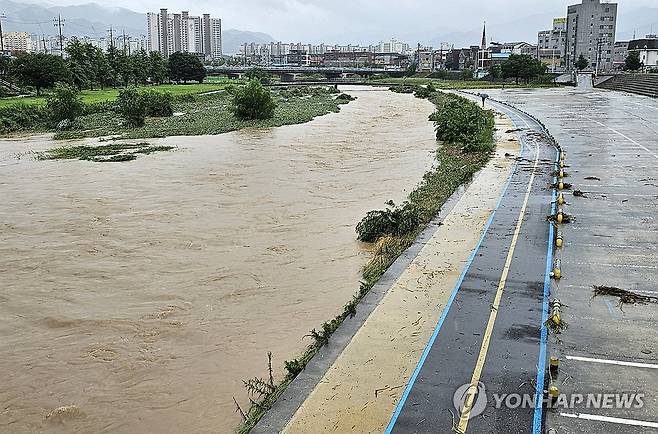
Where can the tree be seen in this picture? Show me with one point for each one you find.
(258, 74)
(131, 107)
(495, 71)
(467, 74)
(80, 62)
(522, 66)
(185, 67)
(5, 64)
(157, 68)
(253, 101)
(633, 62)
(112, 57)
(39, 70)
(64, 103)
(102, 69)
(582, 63)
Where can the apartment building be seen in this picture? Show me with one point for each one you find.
(591, 28)
(169, 33)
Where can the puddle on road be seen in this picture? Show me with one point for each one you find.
(143, 293)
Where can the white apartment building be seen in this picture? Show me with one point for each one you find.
(169, 33)
(18, 41)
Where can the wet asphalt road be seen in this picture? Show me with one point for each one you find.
(509, 265)
(611, 140)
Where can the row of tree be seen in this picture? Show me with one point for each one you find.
(88, 67)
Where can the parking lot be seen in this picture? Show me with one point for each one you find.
(610, 343)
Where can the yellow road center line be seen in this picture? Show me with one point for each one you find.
(477, 372)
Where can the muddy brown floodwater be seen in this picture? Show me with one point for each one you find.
(141, 294)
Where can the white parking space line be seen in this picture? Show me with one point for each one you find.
(618, 246)
(605, 193)
(613, 362)
(604, 264)
(621, 134)
(618, 420)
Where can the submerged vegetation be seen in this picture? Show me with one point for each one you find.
(138, 114)
(395, 228)
(114, 152)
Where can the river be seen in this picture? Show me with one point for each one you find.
(142, 293)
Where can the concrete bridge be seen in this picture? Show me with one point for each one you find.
(290, 73)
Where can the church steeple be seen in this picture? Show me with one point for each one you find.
(484, 36)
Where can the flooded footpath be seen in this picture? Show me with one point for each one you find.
(138, 295)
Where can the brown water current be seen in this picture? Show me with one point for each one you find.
(140, 294)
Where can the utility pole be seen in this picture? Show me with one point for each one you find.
(599, 43)
(2, 38)
(111, 37)
(43, 40)
(59, 23)
(124, 42)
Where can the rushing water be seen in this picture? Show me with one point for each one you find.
(144, 292)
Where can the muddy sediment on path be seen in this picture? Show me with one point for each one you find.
(141, 294)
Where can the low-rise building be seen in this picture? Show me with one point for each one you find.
(619, 55)
(648, 50)
(551, 46)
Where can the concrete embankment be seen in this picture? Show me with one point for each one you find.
(359, 391)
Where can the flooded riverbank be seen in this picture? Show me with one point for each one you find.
(145, 292)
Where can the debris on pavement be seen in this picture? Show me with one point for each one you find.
(625, 296)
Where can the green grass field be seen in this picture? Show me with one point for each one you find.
(93, 96)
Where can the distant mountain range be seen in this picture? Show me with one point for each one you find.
(94, 20)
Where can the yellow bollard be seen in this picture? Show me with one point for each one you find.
(555, 312)
(561, 163)
(560, 199)
(561, 174)
(560, 185)
(554, 365)
(559, 240)
(560, 216)
(557, 270)
(553, 392)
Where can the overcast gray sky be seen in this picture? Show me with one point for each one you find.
(369, 20)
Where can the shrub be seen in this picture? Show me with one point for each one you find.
(394, 220)
(403, 88)
(441, 74)
(185, 97)
(344, 98)
(253, 101)
(258, 74)
(21, 116)
(460, 121)
(64, 103)
(423, 92)
(98, 107)
(158, 104)
(131, 107)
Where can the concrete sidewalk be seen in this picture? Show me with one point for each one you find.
(359, 392)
